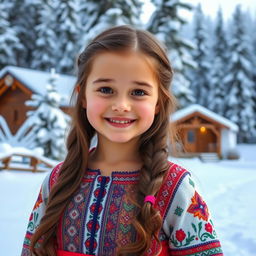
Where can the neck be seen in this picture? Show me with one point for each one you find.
(116, 155)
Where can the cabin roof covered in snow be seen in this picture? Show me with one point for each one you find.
(198, 108)
(36, 81)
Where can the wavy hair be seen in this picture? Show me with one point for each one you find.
(153, 144)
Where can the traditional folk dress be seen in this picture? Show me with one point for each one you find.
(98, 218)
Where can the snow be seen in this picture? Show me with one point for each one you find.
(227, 186)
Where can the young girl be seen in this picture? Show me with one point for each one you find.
(122, 197)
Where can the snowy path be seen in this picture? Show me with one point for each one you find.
(229, 187)
(236, 222)
(18, 192)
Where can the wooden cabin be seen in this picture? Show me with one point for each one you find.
(18, 84)
(203, 131)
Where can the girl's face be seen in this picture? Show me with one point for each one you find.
(121, 96)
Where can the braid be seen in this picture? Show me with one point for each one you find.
(69, 179)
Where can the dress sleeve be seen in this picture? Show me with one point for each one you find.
(36, 215)
(188, 223)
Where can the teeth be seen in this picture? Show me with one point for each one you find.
(119, 122)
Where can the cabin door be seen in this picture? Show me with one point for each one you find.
(190, 140)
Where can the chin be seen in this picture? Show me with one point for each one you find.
(120, 140)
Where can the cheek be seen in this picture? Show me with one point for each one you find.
(147, 111)
(94, 109)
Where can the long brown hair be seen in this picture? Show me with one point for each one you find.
(153, 143)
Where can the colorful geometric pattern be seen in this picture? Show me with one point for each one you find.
(166, 195)
(72, 222)
(98, 219)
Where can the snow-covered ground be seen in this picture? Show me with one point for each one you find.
(229, 187)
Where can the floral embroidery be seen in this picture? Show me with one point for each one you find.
(99, 217)
(179, 240)
(208, 227)
(32, 221)
(198, 207)
(180, 235)
(178, 211)
(184, 239)
(201, 234)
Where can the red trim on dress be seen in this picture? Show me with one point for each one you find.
(55, 174)
(65, 253)
(197, 249)
(164, 196)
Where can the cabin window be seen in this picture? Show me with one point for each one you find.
(191, 136)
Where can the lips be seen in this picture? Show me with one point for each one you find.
(120, 122)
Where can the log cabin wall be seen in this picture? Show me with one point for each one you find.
(12, 102)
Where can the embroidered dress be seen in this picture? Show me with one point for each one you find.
(98, 219)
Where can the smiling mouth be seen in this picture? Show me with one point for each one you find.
(120, 123)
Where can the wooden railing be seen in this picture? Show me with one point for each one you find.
(25, 162)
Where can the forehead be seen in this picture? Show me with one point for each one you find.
(132, 65)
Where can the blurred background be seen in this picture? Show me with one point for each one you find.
(212, 48)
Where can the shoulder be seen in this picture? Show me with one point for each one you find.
(177, 171)
(174, 178)
(187, 221)
(171, 183)
(49, 180)
(186, 204)
(181, 187)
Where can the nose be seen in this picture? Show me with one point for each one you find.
(121, 105)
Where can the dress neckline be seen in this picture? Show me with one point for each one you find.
(114, 173)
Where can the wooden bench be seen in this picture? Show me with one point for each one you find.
(25, 162)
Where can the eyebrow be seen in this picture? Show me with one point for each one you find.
(108, 80)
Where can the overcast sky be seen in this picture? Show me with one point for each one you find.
(210, 7)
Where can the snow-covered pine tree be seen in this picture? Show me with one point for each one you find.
(239, 100)
(24, 19)
(251, 26)
(44, 55)
(200, 82)
(68, 31)
(218, 67)
(9, 42)
(103, 14)
(49, 121)
(166, 23)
